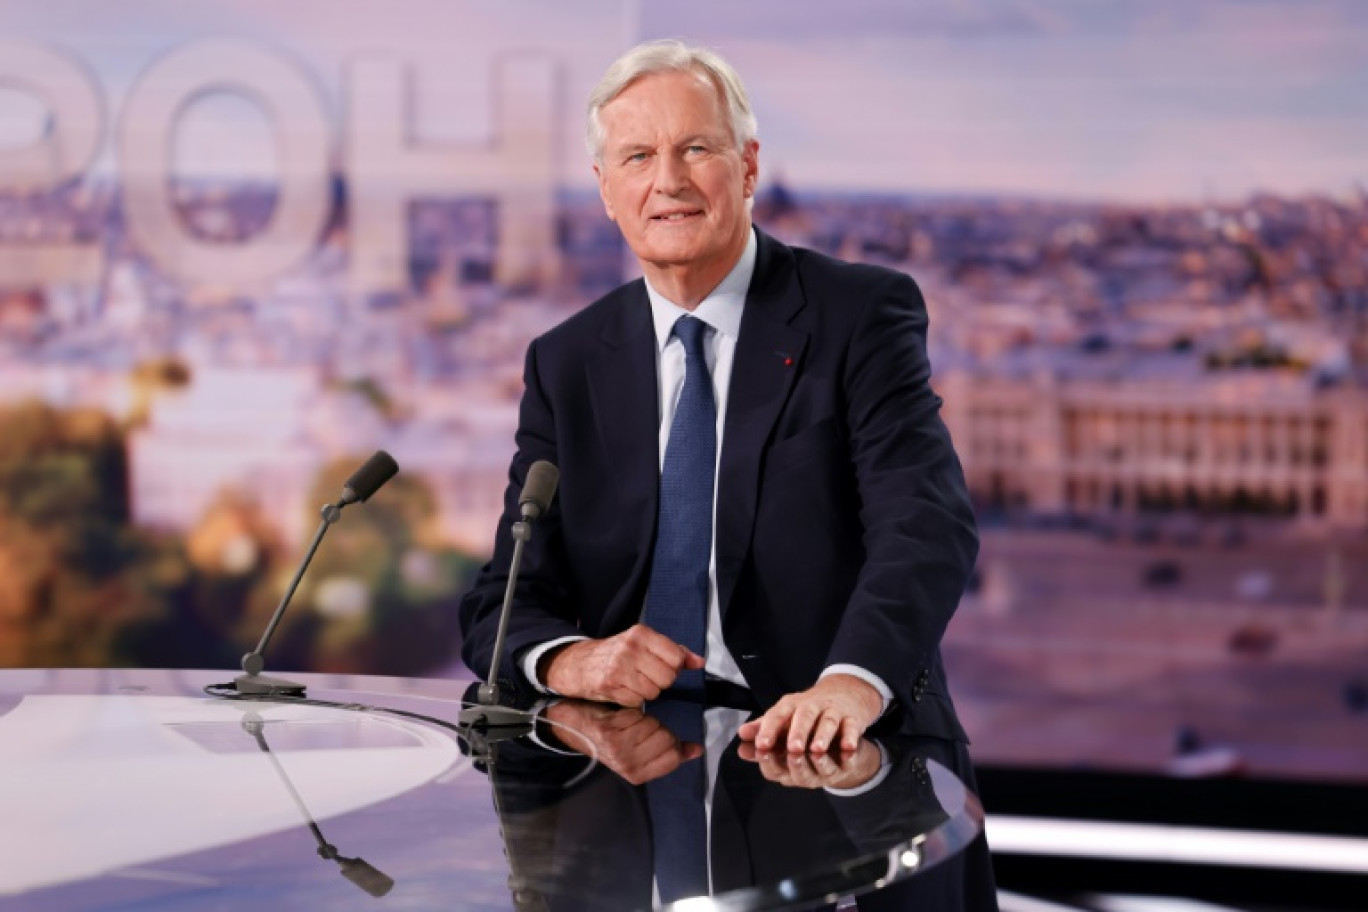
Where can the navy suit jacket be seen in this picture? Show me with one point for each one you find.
(844, 531)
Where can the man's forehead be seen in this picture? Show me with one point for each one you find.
(632, 114)
(632, 93)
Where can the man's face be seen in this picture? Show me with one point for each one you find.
(671, 175)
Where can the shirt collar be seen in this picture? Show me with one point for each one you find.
(721, 309)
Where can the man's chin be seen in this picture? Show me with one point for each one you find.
(670, 256)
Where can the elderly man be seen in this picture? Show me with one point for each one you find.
(758, 497)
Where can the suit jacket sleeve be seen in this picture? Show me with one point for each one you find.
(920, 540)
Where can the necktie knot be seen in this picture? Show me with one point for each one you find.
(690, 331)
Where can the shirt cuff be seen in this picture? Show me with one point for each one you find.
(533, 656)
(868, 677)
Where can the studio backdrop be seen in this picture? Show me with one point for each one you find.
(244, 244)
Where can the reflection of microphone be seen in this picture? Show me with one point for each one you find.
(364, 482)
(375, 882)
(538, 490)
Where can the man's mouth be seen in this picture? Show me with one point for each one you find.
(677, 216)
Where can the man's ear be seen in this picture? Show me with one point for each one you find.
(750, 158)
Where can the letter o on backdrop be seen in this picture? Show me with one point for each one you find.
(303, 135)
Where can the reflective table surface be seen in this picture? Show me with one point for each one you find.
(134, 789)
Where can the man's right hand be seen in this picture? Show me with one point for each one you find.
(627, 669)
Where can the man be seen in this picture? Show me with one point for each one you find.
(757, 492)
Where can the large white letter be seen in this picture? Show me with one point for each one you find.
(148, 126)
(66, 149)
(385, 171)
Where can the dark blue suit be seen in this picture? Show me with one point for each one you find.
(843, 528)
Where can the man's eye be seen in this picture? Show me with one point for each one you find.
(637, 157)
(696, 149)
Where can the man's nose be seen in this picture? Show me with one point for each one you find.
(672, 175)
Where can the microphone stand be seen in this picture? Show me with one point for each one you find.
(374, 881)
(488, 721)
(254, 682)
(488, 714)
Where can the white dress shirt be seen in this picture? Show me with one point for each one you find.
(721, 310)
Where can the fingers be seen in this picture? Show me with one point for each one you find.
(770, 728)
(793, 722)
(851, 733)
(827, 727)
(629, 669)
(834, 712)
(800, 726)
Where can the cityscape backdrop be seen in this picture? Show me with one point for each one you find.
(244, 244)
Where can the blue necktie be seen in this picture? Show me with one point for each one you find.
(679, 823)
(677, 595)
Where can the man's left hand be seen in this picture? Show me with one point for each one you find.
(837, 706)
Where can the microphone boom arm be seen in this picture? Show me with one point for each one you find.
(489, 691)
(538, 489)
(253, 681)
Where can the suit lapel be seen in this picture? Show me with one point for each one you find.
(769, 356)
(626, 407)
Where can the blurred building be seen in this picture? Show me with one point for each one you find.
(1260, 444)
(241, 430)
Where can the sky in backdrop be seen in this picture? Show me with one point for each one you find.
(1163, 100)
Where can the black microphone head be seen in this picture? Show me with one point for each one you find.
(368, 479)
(538, 489)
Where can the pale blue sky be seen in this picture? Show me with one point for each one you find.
(1162, 99)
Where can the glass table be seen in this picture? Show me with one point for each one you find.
(136, 789)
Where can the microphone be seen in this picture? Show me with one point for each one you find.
(364, 482)
(539, 487)
(368, 479)
(538, 490)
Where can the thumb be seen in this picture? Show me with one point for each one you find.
(694, 660)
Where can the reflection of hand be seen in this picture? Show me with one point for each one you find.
(627, 669)
(630, 743)
(835, 770)
(839, 705)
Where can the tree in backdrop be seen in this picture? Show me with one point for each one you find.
(73, 572)
(380, 594)
(81, 586)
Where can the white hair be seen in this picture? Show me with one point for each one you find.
(666, 56)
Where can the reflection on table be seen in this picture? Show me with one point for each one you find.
(133, 789)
